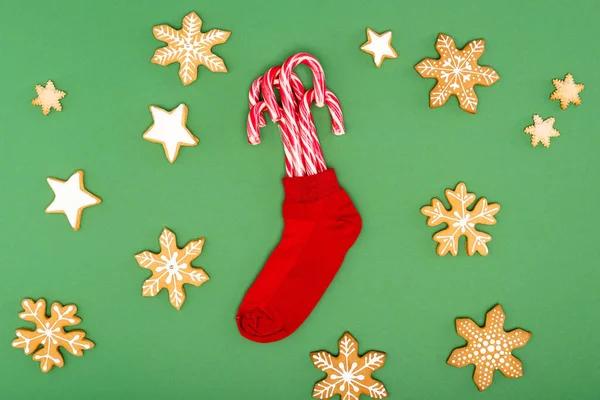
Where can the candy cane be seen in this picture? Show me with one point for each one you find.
(254, 97)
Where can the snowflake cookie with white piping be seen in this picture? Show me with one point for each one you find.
(460, 221)
(457, 72)
(171, 268)
(489, 348)
(348, 374)
(567, 91)
(190, 47)
(541, 131)
(49, 333)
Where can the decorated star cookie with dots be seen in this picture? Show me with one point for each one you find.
(457, 72)
(349, 374)
(190, 47)
(461, 220)
(172, 268)
(49, 333)
(489, 348)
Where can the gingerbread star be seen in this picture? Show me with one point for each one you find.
(489, 348)
(379, 46)
(190, 47)
(541, 131)
(48, 97)
(71, 198)
(457, 72)
(567, 91)
(170, 130)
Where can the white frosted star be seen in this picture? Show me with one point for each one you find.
(379, 46)
(169, 130)
(70, 198)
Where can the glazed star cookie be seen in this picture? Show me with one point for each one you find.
(171, 268)
(49, 333)
(489, 348)
(170, 130)
(541, 131)
(190, 47)
(567, 91)
(348, 374)
(379, 46)
(457, 72)
(48, 97)
(460, 221)
(71, 198)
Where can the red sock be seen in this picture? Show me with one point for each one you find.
(320, 225)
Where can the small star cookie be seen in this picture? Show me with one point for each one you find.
(70, 198)
(379, 46)
(541, 131)
(48, 97)
(190, 47)
(170, 130)
(567, 91)
(489, 348)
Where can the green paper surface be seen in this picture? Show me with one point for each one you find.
(393, 293)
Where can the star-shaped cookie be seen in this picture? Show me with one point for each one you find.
(169, 129)
(567, 91)
(379, 46)
(70, 198)
(541, 131)
(190, 47)
(48, 97)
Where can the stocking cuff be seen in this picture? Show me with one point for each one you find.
(312, 187)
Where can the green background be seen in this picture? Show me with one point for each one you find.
(393, 292)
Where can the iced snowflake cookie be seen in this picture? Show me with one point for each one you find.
(489, 348)
(190, 47)
(567, 91)
(541, 131)
(348, 374)
(457, 72)
(460, 221)
(171, 268)
(379, 46)
(170, 130)
(49, 333)
(71, 198)
(48, 97)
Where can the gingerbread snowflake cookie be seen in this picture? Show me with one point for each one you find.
(171, 268)
(489, 348)
(49, 333)
(461, 221)
(48, 97)
(348, 374)
(457, 72)
(190, 47)
(567, 91)
(541, 131)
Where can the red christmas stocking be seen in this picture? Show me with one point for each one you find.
(320, 221)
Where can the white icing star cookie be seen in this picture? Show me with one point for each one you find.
(70, 198)
(169, 129)
(541, 131)
(379, 46)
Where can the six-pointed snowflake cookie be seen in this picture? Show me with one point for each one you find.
(71, 198)
(171, 268)
(489, 348)
(567, 91)
(460, 221)
(379, 46)
(48, 97)
(457, 72)
(348, 374)
(170, 130)
(49, 333)
(541, 131)
(190, 47)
